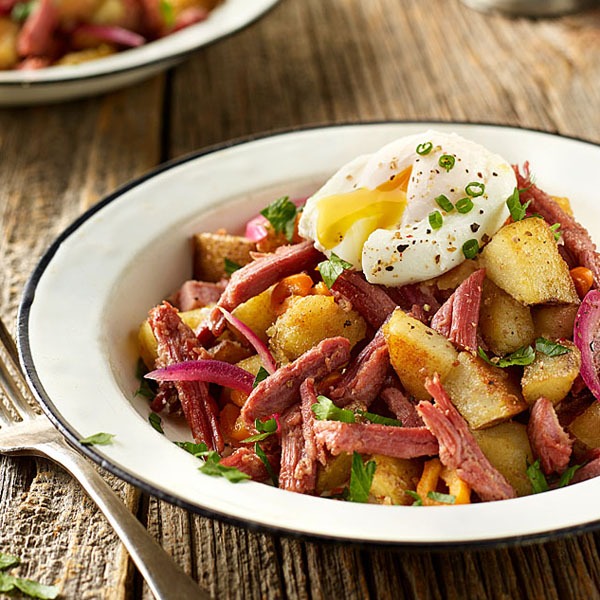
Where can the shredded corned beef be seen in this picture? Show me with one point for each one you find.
(247, 461)
(576, 238)
(178, 343)
(589, 470)
(365, 375)
(549, 441)
(197, 294)
(280, 390)
(401, 407)
(458, 448)
(458, 317)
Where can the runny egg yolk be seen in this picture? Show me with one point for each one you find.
(368, 209)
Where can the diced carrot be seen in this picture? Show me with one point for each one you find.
(321, 289)
(456, 486)
(232, 425)
(238, 397)
(433, 472)
(294, 285)
(583, 279)
(429, 480)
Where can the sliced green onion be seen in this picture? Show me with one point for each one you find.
(425, 148)
(446, 161)
(464, 205)
(445, 204)
(470, 248)
(435, 219)
(475, 189)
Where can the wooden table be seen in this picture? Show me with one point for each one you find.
(308, 62)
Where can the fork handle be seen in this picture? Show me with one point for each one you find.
(165, 579)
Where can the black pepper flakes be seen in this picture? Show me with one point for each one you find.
(389, 268)
(475, 227)
(401, 248)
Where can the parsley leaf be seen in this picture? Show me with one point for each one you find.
(443, 498)
(155, 421)
(536, 477)
(361, 478)
(567, 476)
(326, 410)
(260, 376)
(331, 269)
(373, 418)
(198, 450)
(418, 501)
(265, 461)
(521, 357)
(167, 12)
(282, 215)
(555, 230)
(214, 468)
(98, 439)
(147, 388)
(21, 11)
(550, 348)
(265, 430)
(230, 266)
(8, 560)
(517, 210)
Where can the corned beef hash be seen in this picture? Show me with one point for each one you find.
(420, 331)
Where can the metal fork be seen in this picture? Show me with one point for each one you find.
(23, 432)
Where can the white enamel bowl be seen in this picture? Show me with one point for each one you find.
(86, 298)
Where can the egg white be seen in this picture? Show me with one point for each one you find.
(412, 250)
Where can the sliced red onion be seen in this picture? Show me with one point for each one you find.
(586, 336)
(112, 33)
(211, 371)
(256, 228)
(261, 349)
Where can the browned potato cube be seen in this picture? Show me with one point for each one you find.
(453, 278)
(335, 473)
(393, 476)
(507, 447)
(9, 31)
(586, 427)
(554, 322)
(523, 259)
(417, 352)
(211, 250)
(308, 321)
(483, 394)
(504, 323)
(551, 376)
(257, 313)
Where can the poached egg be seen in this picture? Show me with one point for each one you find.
(413, 210)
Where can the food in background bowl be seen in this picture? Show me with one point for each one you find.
(421, 332)
(41, 33)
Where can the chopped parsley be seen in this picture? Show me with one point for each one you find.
(9, 583)
(265, 430)
(265, 461)
(443, 498)
(147, 387)
(475, 189)
(435, 219)
(555, 231)
(425, 148)
(167, 12)
(282, 215)
(98, 439)
(567, 476)
(464, 205)
(536, 477)
(213, 467)
(198, 450)
(470, 248)
(550, 348)
(326, 410)
(361, 478)
(418, 501)
(230, 266)
(443, 202)
(21, 11)
(156, 422)
(447, 162)
(516, 209)
(331, 269)
(521, 357)
(260, 376)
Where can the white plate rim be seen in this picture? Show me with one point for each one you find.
(171, 48)
(67, 429)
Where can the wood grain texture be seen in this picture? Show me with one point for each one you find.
(308, 62)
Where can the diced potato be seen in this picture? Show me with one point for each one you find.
(554, 322)
(417, 352)
(586, 427)
(523, 259)
(551, 376)
(252, 364)
(504, 323)
(81, 56)
(147, 342)
(393, 476)
(453, 278)
(308, 321)
(334, 474)
(483, 394)
(507, 447)
(211, 250)
(9, 32)
(564, 203)
(257, 313)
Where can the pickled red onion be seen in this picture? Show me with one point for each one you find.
(211, 371)
(586, 336)
(112, 33)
